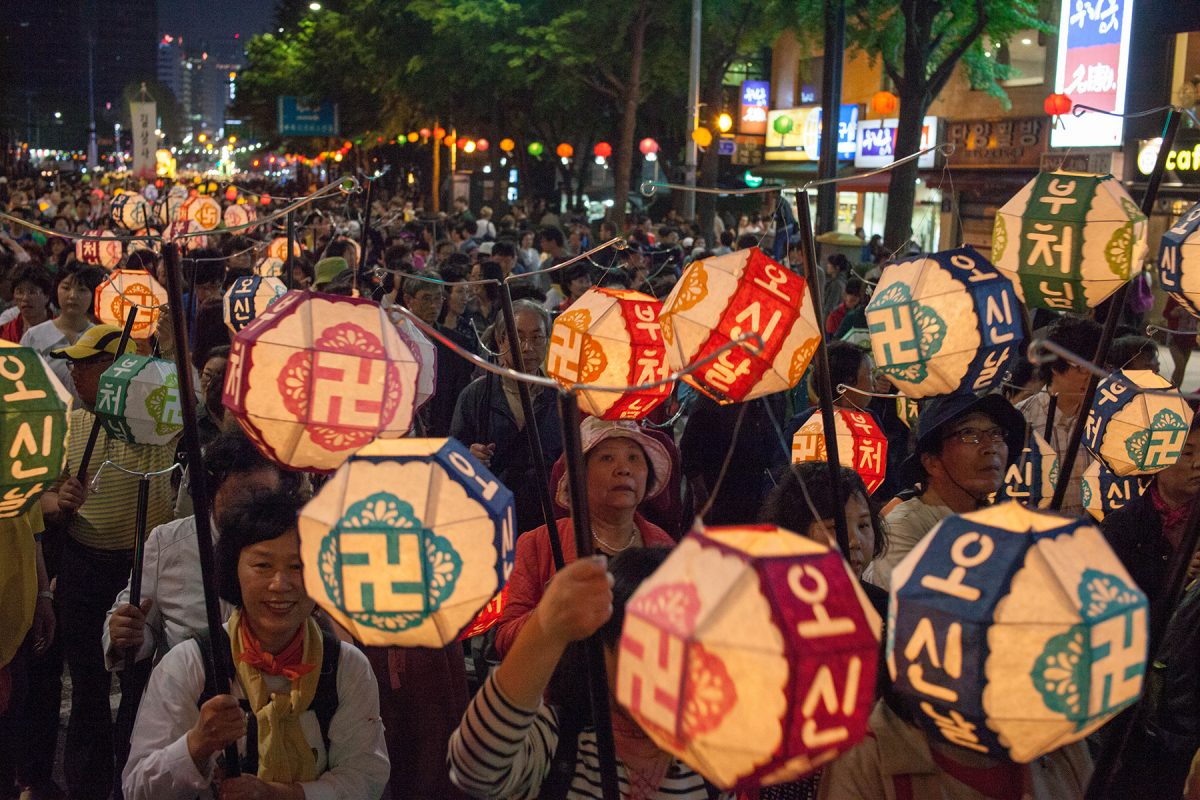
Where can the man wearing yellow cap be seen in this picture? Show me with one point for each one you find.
(97, 557)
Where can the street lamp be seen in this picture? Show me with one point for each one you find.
(724, 122)
(314, 6)
(58, 115)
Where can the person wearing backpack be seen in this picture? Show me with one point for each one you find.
(302, 707)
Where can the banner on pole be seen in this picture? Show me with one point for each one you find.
(145, 141)
(299, 117)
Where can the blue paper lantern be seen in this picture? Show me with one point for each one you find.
(248, 297)
(944, 323)
(1014, 632)
(1101, 492)
(408, 541)
(1137, 432)
(1179, 260)
(1030, 480)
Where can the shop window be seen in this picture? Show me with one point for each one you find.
(1025, 53)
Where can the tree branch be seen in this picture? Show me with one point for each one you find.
(942, 74)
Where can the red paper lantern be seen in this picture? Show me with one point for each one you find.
(481, 145)
(231, 193)
(862, 446)
(439, 132)
(602, 150)
(648, 146)
(884, 103)
(564, 150)
(316, 376)
(1057, 104)
(424, 133)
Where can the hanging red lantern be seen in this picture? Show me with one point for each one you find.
(424, 133)
(231, 193)
(602, 150)
(564, 150)
(884, 104)
(648, 146)
(1057, 104)
(481, 145)
(439, 132)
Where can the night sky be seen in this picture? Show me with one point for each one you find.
(213, 20)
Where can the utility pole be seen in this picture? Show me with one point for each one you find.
(689, 198)
(831, 112)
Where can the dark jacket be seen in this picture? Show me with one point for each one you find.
(482, 416)
(1135, 534)
(454, 374)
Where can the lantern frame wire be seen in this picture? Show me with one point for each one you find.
(94, 485)
(1044, 351)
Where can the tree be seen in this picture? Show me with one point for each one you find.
(920, 43)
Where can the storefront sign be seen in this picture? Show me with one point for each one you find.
(876, 142)
(997, 143)
(1183, 162)
(756, 99)
(794, 134)
(1093, 58)
(1070, 161)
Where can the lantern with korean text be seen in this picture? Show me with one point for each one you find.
(1179, 260)
(750, 654)
(205, 211)
(137, 400)
(129, 211)
(248, 297)
(1014, 632)
(269, 268)
(408, 541)
(862, 446)
(278, 248)
(124, 289)
(1101, 492)
(317, 376)
(34, 424)
(186, 233)
(908, 410)
(610, 337)
(1069, 240)
(1031, 479)
(239, 214)
(1136, 432)
(102, 247)
(717, 300)
(943, 323)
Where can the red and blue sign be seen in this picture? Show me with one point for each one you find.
(1093, 58)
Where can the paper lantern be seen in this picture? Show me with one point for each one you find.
(1057, 104)
(602, 150)
(862, 445)
(1101, 492)
(407, 541)
(750, 654)
(488, 618)
(438, 132)
(231, 193)
(507, 145)
(1137, 433)
(648, 146)
(1031, 479)
(125, 288)
(425, 352)
(702, 137)
(610, 337)
(536, 149)
(449, 139)
(205, 211)
(184, 233)
(884, 104)
(106, 251)
(278, 248)
(425, 132)
(239, 214)
(137, 400)
(412, 137)
(317, 376)
(722, 298)
(269, 268)
(129, 211)
(783, 124)
(944, 323)
(564, 150)
(34, 425)
(1179, 261)
(1069, 240)
(908, 410)
(248, 297)
(166, 209)
(1014, 632)
(482, 145)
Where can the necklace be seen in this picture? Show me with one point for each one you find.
(610, 548)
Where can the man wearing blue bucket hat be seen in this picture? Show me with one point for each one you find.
(964, 445)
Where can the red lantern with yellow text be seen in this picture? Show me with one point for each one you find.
(862, 446)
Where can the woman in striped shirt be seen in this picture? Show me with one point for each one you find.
(507, 741)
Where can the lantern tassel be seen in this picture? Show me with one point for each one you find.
(218, 655)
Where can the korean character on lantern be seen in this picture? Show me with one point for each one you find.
(725, 370)
(824, 696)
(954, 728)
(933, 668)
(991, 365)
(1049, 245)
(1057, 294)
(15, 499)
(969, 550)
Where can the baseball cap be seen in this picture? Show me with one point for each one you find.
(96, 340)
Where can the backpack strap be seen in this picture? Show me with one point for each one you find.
(557, 783)
(325, 702)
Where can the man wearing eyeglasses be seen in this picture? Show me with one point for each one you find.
(964, 445)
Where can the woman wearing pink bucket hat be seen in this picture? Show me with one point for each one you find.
(624, 466)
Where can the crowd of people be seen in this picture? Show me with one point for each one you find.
(315, 714)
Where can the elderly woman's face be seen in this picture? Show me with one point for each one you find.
(272, 581)
(616, 474)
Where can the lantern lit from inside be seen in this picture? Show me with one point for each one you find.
(944, 323)
(1069, 240)
(1030, 480)
(720, 299)
(408, 541)
(1133, 432)
(186, 233)
(908, 410)
(862, 445)
(317, 376)
(1101, 492)
(34, 425)
(125, 288)
(1179, 260)
(1014, 632)
(269, 268)
(205, 211)
(750, 654)
(129, 211)
(104, 249)
(610, 337)
(425, 352)
(238, 215)
(137, 400)
(248, 297)
(278, 248)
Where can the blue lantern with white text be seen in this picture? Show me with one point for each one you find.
(1102, 493)
(1179, 260)
(1137, 432)
(249, 296)
(943, 323)
(1014, 632)
(1030, 480)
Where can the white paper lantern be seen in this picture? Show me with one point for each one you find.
(125, 288)
(1101, 492)
(205, 211)
(137, 400)
(239, 214)
(1031, 478)
(1137, 433)
(129, 211)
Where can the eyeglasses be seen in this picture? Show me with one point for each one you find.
(976, 436)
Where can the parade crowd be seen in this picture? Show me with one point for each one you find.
(317, 715)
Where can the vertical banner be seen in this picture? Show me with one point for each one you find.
(145, 141)
(1091, 68)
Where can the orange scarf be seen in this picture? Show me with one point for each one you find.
(289, 662)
